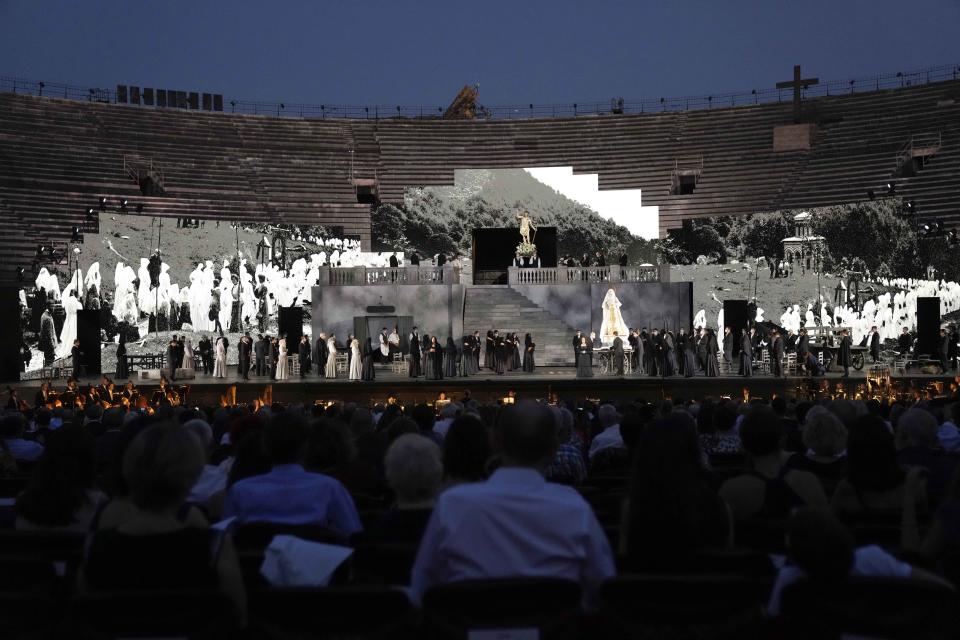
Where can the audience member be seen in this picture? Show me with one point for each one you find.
(568, 466)
(919, 446)
(11, 431)
(610, 435)
(722, 437)
(331, 450)
(515, 523)
(825, 441)
(466, 451)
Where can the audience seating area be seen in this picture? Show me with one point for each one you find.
(720, 589)
(58, 157)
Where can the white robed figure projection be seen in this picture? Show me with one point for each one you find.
(612, 319)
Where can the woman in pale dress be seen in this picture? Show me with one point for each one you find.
(220, 364)
(331, 370)
(356, 362)
(188, 363)
(282, 370)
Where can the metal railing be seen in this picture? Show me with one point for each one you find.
(338, 276)
(616, 106)
(929, 143)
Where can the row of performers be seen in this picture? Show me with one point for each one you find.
(501, 353)
(106, 394)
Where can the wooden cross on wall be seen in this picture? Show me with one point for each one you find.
(797, 84)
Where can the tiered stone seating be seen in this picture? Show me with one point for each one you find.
(58, 157)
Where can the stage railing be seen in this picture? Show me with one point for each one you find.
(574, 275)
(360, 276)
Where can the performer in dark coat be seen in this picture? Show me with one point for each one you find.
(48, 337)
(477, 346)
(727, 345)
(517, 361)
(467, 359)
(414, 368)
(681, 345)
(260, 354)
(77, 355)
(874, 344)
(712, 367)
(584, 370)
(434, 355)
(206, 354)
(689, 358)
(943, 350)
(274, 357)
(905, 342)
(243, 353)
(303, 354)
(451, 358)
(776, 354)
(367, 372)
(616, 354)
(529, 364)
(576, 348)
(843, 356)
(322, 352)
(635, 353)
(746, 355)
(122, 370)
(489, 352)
(500, 353)
(172, 359)
(669, 354)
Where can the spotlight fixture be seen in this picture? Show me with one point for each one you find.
(75, 235)
(103, 204)
(123, 204)
(90, 213)
(952, 237)
(20, 272)
(891, 189)
(41, 250)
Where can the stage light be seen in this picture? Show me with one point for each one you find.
(911, 207)
(40, 250)
(103, 204)
(75, 235)
(891, 189)
(20, 272)
(90, 214)
(123, 204)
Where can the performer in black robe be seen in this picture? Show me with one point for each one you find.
(576, 347)
(529, 346)
(303, 353)
(517, 362)
(943, 350)
(584, 370)
(711, 367)
(414, 368)
(681, 346)
(689, 358)
(436, 352)
(488, 352)
(844, 357)
(727, 345)
(669, 354)
(367, 371)
(634, 340)
(746, 355)
(904, 342)
(427, 357)
(477, 346)
(500, 354)
(172, 359)
(469, 363)
(874, 345)
(776, 355)
(320, 357)
(451, 358)
(122, 370)
(616, 354)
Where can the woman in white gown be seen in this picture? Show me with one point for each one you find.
(282, 372)
(356, 362)
(188, 363)
(331, 370)
(69, 332)
(612, 319)
(220, 364)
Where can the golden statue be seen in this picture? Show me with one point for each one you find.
(526, 223)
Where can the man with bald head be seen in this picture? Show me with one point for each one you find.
(516, 523)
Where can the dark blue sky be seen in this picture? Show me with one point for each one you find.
(422, 51)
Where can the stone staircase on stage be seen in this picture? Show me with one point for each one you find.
(489, 307)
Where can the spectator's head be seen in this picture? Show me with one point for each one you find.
(328, 446)
(414, 470)
(424, 417)
(451, 411)
(823, 433)
(761, 432)
(65, 473)
(466, 449)
(284, 438)
(528, 435)
(202, 430)
(12, 425)
(917, 428)
(819, 544)
(872, 456)
(361, 422)
(724, 417)
(607, 415)
(161, 465)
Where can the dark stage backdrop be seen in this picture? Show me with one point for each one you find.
(10, 337)
(660, 305)
(495, 249)
(928, 326)
(88, 332)
(735, 317)
(290, 322)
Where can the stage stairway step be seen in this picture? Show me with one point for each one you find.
(502, 308)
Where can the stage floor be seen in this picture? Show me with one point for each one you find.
(486, 386)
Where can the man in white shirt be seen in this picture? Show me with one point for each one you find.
(610, 436)
(515, 524)
(447, 416)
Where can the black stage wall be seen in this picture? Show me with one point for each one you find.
(290, 322)
(10, 335)
(928, 325)
(735, 317)
(495, 249)
(88, 332)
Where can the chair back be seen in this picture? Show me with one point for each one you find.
(181, 613)
(341, 612)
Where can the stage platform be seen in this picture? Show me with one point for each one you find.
(543, 384)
